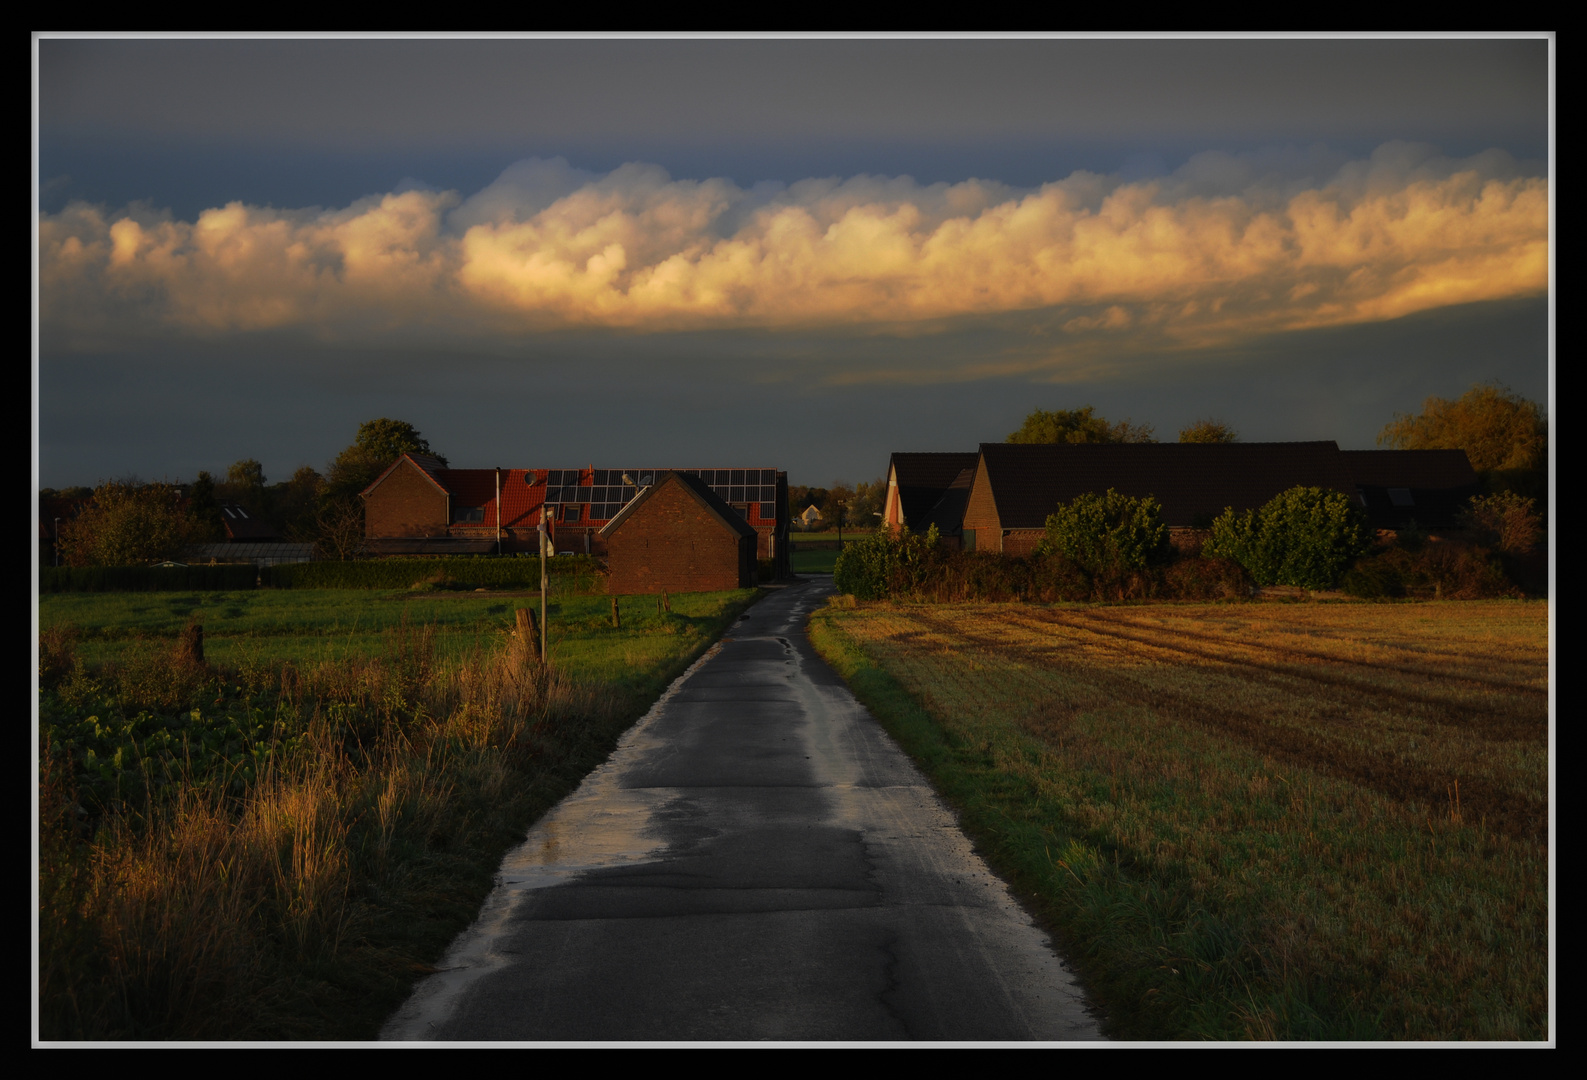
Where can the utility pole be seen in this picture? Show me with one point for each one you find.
(545, 542)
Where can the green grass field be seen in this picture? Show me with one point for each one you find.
(314, 625)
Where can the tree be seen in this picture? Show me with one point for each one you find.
(204, 511)
(1305, 536)
(377, 445)
(1209, 431)
(1078, 426)
(126, 524)
(1501, 432)
(1107, 536)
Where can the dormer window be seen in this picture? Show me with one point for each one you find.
(466, 514)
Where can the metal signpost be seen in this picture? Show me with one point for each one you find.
(545, 543)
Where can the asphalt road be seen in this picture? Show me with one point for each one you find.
(757, 860)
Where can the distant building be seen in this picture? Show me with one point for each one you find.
(809, 517)
(929, 489)
(419, 506)
(678, 536)
(999, 499)
(245, 527)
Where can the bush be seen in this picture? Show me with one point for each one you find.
(883, 564)
(1448, 571)
(1503, 520)
(1199, 577)
(1111, 538)
(1303, 536)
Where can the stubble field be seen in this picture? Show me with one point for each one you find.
(1248, 821)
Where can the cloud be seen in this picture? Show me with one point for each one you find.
(1227, 247)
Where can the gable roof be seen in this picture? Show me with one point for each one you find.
(1192, 481)
(702, 493)
(1428, 469)
(923, 480)
(1401, 487)
(430, 467)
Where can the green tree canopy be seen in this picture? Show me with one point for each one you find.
(127, 523)
(389, 439)
(1080, 425)
(377, 445)
(1305, 536)
(1209, 431)
(1499, 430)
(1107, 535)
(204, 510)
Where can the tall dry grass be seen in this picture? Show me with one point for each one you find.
(277, 912)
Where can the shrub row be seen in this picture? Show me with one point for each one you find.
(1447, 571)
(915, 567)
(470, 573)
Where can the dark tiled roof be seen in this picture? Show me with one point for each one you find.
(243, 524)
(923, 479)
(948, 513)
(1193, 482)
(1427, 469)
(1427, 487)
(702, 493)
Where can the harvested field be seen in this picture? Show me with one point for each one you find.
(1280, 820)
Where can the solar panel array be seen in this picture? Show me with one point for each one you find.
(608, 494)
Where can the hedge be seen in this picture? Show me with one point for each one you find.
(454, 573)
(460, 573)
(60, 579)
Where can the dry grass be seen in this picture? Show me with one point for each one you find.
(1312, 820)
(303, 903)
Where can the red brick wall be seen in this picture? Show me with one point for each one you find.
(674, 544)
(980, 513)
(406, 504)
(1022, 541)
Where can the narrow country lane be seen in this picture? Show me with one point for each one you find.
(757, 860)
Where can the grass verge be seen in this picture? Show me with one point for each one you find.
(278, 850)
(1246, 822)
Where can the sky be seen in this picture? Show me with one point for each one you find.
(803, 253)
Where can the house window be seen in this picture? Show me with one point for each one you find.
(469, 513)
(1401, 497)
(570, 512)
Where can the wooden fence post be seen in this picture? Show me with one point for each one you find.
(529, 633)
(617, 619)
(192, 646)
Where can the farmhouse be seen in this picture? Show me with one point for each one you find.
(929, 489)
(678, 536)
(420, 506)
(1001, 500)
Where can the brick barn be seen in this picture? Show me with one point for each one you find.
(420, 506)
(1000, 500)
(678, 536)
